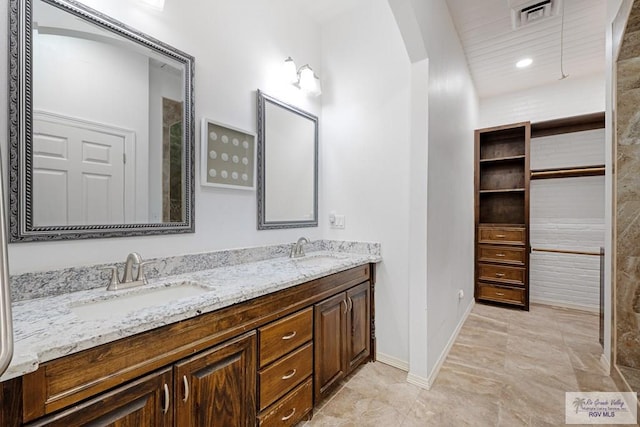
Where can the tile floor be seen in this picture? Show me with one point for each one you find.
(507, 368)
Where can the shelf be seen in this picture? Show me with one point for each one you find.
(596, 170)
(502, 159)
(504, 190)
(500, 224)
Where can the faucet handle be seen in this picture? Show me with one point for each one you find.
(140, 275)
(114, 281)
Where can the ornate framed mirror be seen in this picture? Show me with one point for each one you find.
(101, 126)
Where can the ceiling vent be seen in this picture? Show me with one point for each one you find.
(527, 12)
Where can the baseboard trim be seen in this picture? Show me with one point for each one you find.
(445, 352)
(606, 364)
(587, 308)
(419, 381)
(392, 361)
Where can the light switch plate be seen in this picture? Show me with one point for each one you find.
(338, 222)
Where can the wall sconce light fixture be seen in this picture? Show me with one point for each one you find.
(303, 78)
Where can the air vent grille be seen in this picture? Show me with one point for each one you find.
(527, 12)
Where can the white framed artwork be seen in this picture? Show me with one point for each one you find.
(228, 156)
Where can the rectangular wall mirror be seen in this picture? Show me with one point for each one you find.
(101, 127)
(287, 165)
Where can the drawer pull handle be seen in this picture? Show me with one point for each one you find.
(289, 374)
(500, 294)
(185, 382)
(500, 255)
(501, 236)
(289, 335)
(165, 407)
(346, 305)
(286, 417)
(499, 274)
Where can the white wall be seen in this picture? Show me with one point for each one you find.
(564, 98)
(365, 152)
(447, 236)
(239, 46)
(453, 114)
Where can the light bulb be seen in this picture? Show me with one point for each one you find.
(289, 71)
(307, 79)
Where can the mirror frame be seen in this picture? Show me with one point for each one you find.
(21, 226)
(263, 224)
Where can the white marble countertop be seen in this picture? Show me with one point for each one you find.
(51, 327)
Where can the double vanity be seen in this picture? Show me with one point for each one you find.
(255, 343)
(234, 338)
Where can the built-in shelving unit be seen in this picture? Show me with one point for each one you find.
(502, 214)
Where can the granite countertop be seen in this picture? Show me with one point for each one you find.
(51, 327)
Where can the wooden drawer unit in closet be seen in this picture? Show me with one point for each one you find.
(501, 294)
(501, 273)
(502, 254)
(286, 366)
(502, 235)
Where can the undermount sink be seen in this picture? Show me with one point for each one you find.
(117, 305)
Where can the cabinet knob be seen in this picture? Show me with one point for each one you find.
(289, 415)
(289, 335)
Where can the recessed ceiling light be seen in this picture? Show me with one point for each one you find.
(524, 63)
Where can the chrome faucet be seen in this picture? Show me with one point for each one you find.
(127, 281)
(297, 250)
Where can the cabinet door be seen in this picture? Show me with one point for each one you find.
(358, 337)
(218, 387)
(329, 344)
(142, 403)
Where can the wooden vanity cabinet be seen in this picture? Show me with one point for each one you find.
(250, 363)
(341, 336)
(217, 387)
(144, 402)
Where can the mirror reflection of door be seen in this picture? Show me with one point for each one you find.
(79, 171)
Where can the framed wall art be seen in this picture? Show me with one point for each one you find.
(228, 156)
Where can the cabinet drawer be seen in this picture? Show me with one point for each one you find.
(291, 408)
(280, 337)
(502, 254)
(501, 294)
(501, 273)
(502, 235)
(283, 375)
